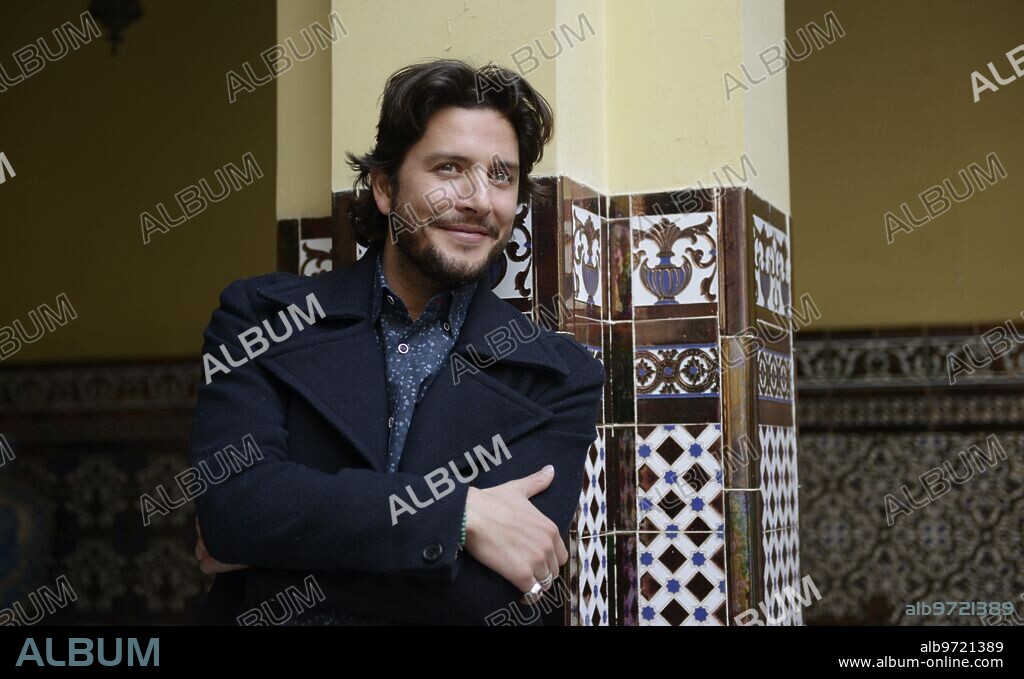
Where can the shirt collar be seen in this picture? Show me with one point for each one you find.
(452, 304)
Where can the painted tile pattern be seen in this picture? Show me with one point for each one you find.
(679, 478)
(677, 371)
(675, 259)
(772, 262)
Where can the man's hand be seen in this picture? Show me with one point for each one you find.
(509, 535)
(209, 565)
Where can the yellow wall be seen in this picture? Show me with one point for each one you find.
(637, 87)
(765, 126)
(304, 115)
(582, 89)
(96, 139)
(877, 118)
(669, 125)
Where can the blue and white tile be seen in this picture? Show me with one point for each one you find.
(586, 256)
(681, 579)
(774, 376)
(592, 517)
(772, 274)
(589, 576)
(675, 258)
(778, 477)
(782, 584)
(679, 477)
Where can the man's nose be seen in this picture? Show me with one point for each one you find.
(472, 192)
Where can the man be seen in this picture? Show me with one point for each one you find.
(417, 444)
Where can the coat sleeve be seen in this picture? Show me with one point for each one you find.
(565, 440)
(272, 512)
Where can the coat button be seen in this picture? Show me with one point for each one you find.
(431, 552)
(403, 348)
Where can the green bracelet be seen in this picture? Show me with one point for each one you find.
(462, 532)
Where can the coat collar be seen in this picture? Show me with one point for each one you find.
(346, 292)
(340, 372)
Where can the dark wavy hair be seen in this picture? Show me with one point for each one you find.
(413, 94)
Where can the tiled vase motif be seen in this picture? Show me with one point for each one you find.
(675, 259)
(688, 510)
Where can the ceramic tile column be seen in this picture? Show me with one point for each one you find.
(688, 513)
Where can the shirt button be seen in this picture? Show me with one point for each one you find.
(446, 327)
(391, 300)
(431, 552)
(403, 348)
(391, 421)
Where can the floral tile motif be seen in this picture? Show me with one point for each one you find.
(676, 371)
(679, 477)
(771, 267)
(681, 579)
(675, 259)
(515, 270)
(586, 256)
(315, 255)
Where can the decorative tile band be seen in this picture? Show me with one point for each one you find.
(875, 413)
(774, 376)
(677, 371)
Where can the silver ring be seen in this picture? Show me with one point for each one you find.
(547, 581)
(536, 588)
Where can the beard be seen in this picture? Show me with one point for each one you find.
(429, 258)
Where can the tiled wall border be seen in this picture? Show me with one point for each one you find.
(877, 410)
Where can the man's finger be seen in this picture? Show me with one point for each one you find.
(210, 566)
(536, 482)
(561, 553)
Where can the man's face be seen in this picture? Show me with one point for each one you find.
(458, 189)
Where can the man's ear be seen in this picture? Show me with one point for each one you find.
(381, 191)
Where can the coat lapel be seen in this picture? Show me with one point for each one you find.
(338, 368)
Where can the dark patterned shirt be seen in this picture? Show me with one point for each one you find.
(414, 351)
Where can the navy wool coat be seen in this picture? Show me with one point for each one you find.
(316, 498)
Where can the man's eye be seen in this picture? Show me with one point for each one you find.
(441, 167)
(502, 173)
